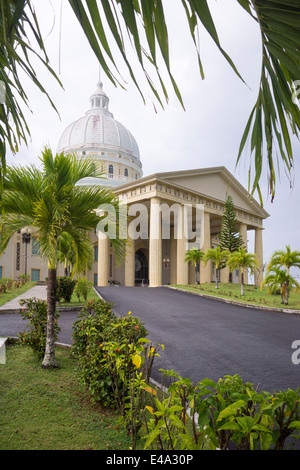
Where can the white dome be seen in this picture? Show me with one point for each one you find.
(98, 130)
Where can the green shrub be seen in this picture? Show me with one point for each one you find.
(97, 324)
(6, 284)
(225, 415)
(64, 288)
(35, 311)
(24, 278)
(83, 286)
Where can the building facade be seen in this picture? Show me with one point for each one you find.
(168, 213)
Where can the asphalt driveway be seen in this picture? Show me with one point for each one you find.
(208, 338)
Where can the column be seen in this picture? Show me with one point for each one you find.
(259, 255)
(173, 257)
(155, 244)
(130, 263)
(206, 271)
(182, 266)
(103, 259)
(243, 233)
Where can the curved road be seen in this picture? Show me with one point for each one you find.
(202, 337)
(208, 338)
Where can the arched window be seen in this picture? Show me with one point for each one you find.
(110, 171)
(126, 172)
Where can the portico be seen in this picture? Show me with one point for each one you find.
(171, 213)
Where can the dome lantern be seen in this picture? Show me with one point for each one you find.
(99, 100)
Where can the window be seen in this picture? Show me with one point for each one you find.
(111, 169)
(1, 271)
(96, 253)
(35, 250)
(126, 172)
(35, 275)
(95, 279)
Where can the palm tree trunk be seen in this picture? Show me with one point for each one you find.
(49, 360)
(242, 283)
(287, 288)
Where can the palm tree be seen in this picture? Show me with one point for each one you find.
(242, 260)
(286, 259)
(105, 23)
(66, 254)
(218, 257)
(194, 256)
(277, 279)
(50, 201)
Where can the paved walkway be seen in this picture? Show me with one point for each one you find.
(39, 292)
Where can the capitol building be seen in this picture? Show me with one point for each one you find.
(151, 254)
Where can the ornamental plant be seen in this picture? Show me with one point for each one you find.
(64, 288)
(35, 311)
(129, 366)
(228, 414)
(96, 325)
(82, 288)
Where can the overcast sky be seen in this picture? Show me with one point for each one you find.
(207, 133)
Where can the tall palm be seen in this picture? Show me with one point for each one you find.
(218, 257)
(275, 116)
(50, 201)
(286, 259)
(242, 260)
(194, 256)
(277, 278)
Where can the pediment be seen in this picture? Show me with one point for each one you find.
(216, 183)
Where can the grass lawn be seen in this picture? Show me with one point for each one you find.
(252, 295)
(12, 294)
(50, 409)
(75, 302)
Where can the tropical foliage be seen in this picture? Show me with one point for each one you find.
(20, 41)
(50, 201)
(227, 414)
(286, 260)
(276, 280)
(66, 254)
(274, 118)
(194, 256)
(242, 260)
(218, 257)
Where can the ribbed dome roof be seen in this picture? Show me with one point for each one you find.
(98, 129)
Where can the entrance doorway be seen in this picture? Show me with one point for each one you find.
(141, 266)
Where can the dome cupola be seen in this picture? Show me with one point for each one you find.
(99, 135)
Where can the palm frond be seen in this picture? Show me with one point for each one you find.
(125, 16)
(18, 22)
(275, 115)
